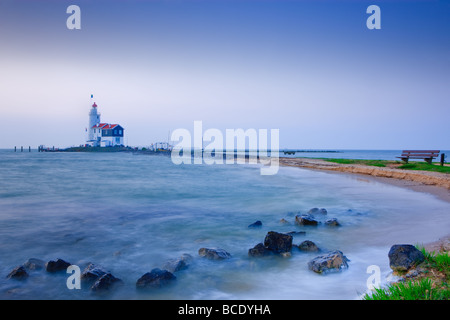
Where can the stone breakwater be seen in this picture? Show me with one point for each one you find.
(423, 177)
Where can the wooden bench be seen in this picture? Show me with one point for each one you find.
(427, 155)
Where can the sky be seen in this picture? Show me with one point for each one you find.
(311, 69)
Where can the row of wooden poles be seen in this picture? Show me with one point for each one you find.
(21, 149)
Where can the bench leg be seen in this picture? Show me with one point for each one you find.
(429, 160)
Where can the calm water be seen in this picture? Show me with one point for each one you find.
(130, 213)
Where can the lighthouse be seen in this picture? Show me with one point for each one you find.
(94, 119)
(103, 134)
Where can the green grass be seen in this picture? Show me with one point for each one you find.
(429, 287)
(425, 167)
(413, 165)
(440, 261)
(411, 290)
(377, 163)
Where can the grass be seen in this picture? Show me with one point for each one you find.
(413, 165)
(431, 284)
(376, 163)
(412, 290)
(425, 167)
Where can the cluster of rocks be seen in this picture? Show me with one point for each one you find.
(100, 280)
(309, 219)
(276, 243)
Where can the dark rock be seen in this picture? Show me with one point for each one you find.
(308, 246)
(106, 283)
(317, 211)
(214, 254)
(58, 265)
(34, 264)
(284, 221)
(278, 242)
(332, 261)
(18, 273)
(403, 257)
(306, 220)
(92, 272)
(332, 222)
(259, 251)
(256, 224)
(174, 265)
(156, 278)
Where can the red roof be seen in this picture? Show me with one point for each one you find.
(100, 125)
(94, 105)
(110, 126)
(105, 126)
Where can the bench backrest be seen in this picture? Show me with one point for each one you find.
(420, 153)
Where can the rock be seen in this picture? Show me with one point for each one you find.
(278, 242)
(256, 224)
(156, 278)
(58, 265)
(332, 222)
(308, 246)
(306, 220)
(403, 257)
(18, 273)
(105, 283)
(214, 254)
(34, 264)
(284, 221)
(92, 272)
(317, 211)
(259, 251)
(332, 261)
(174, 265)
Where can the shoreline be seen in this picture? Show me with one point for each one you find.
(436, 184)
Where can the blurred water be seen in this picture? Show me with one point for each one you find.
(130, 213)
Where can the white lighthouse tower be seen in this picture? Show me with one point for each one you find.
(94, 119)
(103, 134)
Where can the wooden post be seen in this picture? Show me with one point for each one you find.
(21, 149)
(29, 148)
(442, 159)
(15, 148)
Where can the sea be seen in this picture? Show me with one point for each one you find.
(130, 213)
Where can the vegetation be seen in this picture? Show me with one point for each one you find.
(425, 167)
(412, 165)
(376, 163)
(431, 283)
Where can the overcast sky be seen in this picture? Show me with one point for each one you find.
(311, 69)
